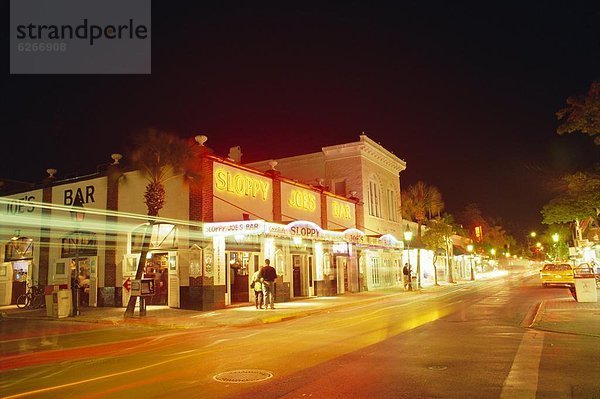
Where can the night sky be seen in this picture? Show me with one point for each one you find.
(465, 94)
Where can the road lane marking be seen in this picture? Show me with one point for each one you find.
(522, 380)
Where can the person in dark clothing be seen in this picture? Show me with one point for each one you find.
(268, 274)
(407, 272)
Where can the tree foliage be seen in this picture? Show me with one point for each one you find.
(159, 156)
(420, 202)
(578, 199)
(582, 114)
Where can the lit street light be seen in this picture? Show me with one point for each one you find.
(470, 250)
(555, 238)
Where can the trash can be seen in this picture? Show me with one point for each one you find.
(61, 303)
(413, 283)
(585, 287)
(49, 297)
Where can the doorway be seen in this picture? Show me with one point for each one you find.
(240, 265)
(297, 274)
(157, 268)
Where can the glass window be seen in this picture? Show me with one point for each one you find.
(374, 199)
(391, 204)
(375, 271)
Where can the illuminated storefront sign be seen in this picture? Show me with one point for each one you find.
(242, 184)
(233, 228)
(278, 230)
(341, 210)
(304, 229)
(389, 240)
(302, 199)
(354, 236)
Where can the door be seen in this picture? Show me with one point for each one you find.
(172, 282)
(342, 275)
(6, 282)
(240, 265)
(311, 283)
(297, 274)
(93, 294)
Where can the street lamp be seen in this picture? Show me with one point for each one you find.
(77, 215)
(407, 237)
(470, 250)
(555, 238)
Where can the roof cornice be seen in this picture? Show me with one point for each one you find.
(370, 150)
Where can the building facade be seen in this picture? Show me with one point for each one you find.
(367, 172)
(211, 237)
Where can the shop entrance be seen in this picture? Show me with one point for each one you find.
(297, 274)
(342, 276)
(157, 268)
(21, 277)
(240, 265)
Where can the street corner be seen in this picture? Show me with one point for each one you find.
(565, 315)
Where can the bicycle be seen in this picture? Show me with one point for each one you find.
(32, 299)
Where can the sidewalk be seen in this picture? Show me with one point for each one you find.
(568, 316)
(237, 316)
(563, 315)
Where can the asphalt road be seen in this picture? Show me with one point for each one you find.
(467, 342)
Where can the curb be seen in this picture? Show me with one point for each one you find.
(539, 311)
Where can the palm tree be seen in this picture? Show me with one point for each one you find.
(160, 156)
(420, 202)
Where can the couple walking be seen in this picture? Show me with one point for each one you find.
(263, 283)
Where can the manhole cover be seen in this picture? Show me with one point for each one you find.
(438, 368)
(243, 376)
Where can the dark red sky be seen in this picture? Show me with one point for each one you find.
(466, 95)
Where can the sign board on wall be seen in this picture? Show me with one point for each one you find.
(91, 193)
(340, 214)
(238, 191)
(298, 203)
(22, 213)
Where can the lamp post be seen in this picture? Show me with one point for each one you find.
(470, 250)
(530, 238)
(555, 238)
(407, 237)
(77, 215)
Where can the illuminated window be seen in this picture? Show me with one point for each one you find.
(391, 205)
(374, 199)
(375, 271)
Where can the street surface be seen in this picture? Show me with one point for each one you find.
(463, 341)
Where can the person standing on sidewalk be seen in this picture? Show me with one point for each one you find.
(256, 285)
(407, 272)
(268, 274)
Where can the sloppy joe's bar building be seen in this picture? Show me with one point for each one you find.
(207, 242)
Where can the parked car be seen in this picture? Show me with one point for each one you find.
(553, 273)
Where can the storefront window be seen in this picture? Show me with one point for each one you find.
(375, 271)
(19, 248)
(326, 263)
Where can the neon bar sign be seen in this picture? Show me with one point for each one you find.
(340, 210)
(241, 184)
(302, 200)
(234, 228)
